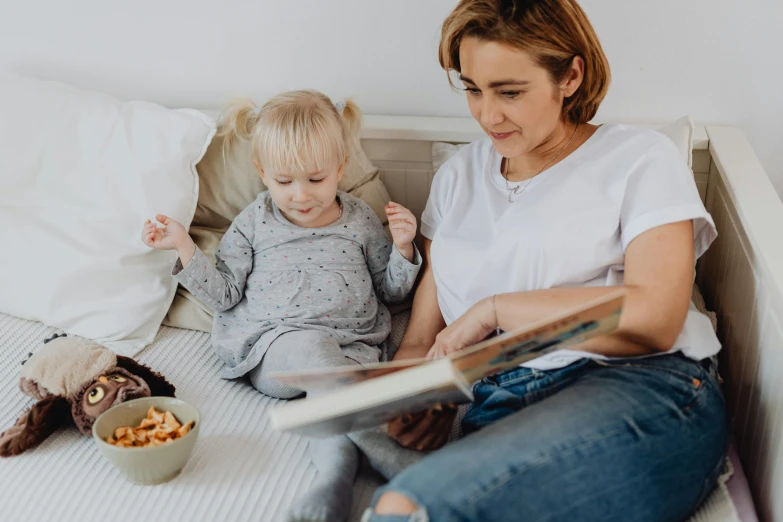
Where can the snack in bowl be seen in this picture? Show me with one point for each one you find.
(170, 439)
(158, 428)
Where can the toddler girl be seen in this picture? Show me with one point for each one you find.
(302, 274)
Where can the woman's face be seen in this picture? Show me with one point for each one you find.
(512, 97)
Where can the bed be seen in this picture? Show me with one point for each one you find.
(243, 470)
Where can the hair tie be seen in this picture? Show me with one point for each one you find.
(340, 105)
(255, 111)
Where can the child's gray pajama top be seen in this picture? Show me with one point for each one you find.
(272, 277)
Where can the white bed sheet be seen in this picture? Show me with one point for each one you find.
(240, 469)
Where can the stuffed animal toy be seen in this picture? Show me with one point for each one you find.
(75, 380)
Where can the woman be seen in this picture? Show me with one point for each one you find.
(548, 213)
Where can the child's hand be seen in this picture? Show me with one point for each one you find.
(172, 237)
(403, 228)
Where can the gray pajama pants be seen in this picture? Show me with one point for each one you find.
(301, 350)
(306, 349)
(335, 458)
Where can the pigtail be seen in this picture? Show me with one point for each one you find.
(236, 122)
(352, 119)
(293, 131)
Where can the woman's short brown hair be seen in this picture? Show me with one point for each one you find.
(553, 32)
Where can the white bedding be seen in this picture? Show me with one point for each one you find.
(240, 469)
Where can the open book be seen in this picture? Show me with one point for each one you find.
(349, 398)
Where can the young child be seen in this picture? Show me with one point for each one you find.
(302, 274)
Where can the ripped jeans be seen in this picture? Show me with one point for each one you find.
(640, 439)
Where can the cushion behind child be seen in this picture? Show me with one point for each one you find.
(230, 182)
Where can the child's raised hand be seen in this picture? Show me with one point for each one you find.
(172, 236)
(403, 228)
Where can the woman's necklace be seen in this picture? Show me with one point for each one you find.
(515, 190)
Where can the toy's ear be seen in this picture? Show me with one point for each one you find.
(35, 426)
(159, 386)
(53, 337)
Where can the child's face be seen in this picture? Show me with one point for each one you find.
(306, 198)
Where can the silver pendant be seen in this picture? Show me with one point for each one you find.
(515, 190)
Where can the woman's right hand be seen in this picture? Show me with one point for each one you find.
(172, 236)
(424, 431)
(429, 429)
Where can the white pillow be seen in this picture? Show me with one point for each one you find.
(80, 172)
(441, 152)
(680, 132)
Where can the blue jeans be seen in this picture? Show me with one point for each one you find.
(630, 439)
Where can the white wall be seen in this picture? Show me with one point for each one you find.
(669, 57)
(764, 121)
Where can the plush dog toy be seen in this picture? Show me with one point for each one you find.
(76, 380)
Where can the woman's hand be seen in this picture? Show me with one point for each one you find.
(473, 326)
(172, 236)
(426, 430)
(430, 429)
(402, 224)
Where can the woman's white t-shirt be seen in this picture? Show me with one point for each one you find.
(568, 227)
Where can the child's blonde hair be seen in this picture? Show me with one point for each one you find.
(296, 131)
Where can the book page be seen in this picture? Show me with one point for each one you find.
(322, 379)
(373, 402)
(379, 414)
(597, 317)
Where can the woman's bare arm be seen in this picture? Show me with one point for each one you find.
(658, 280)
(426, 320)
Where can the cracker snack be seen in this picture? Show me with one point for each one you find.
(155, 430)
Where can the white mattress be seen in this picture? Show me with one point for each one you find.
(240, 469)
